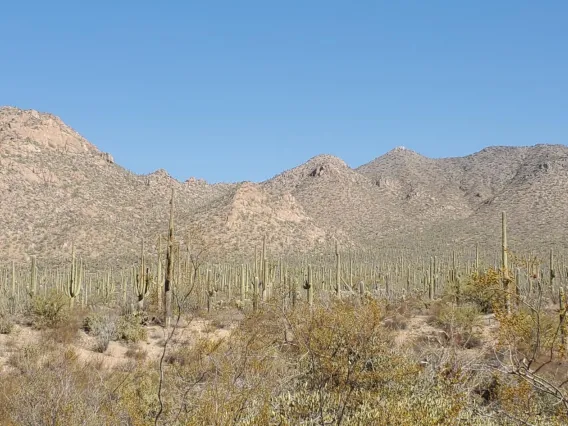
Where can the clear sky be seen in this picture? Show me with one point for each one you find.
(241, 90)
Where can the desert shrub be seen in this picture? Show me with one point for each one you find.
(8, 303)
(230, 380)
(58, 390)
(48, 310)
(531, 352)
(137, 393)
(406, 306)
(129, 329)
(100, 322)
(6, 324)
(103, 326)
(350, 372)
(107, 327)
(136, 352)
(483, 290)
(65, 332)
(335, 363)
(101, 343)
(26, 358)
(224, 318)
(459, 323)
(396, 322)
(348, 358)
(520, 400)
(527, 332)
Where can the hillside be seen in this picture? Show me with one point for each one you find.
(58, 188)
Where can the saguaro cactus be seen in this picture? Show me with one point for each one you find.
(256, 284)
(210, 291)
(505, 262)
(455, 278)
(309, 286)
(361, 288)
(552, 271)
(562, 318)
(337, 270)
(142, 280)
(159, 274)
(243, 283)
(265, 280)
(294, 291)
(33, 278)
(13, 282)
(477, 258)
(431, 280)
(263, 258)
(73, 287)
(169, 265)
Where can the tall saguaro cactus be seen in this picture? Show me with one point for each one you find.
(562, 317)
(142, 280)
(13, 282)
(243, 283)
(552, 271)
(477, 258)
(210, 291)
(33, 278)
(265, 280)
(169, 265)
(256, 285)
(263, 258)
(505, 262)
(294, 291)
(309, 286)
(455, 278)
(73, 286)
(337, 270)
(431, 288)
(159, 274)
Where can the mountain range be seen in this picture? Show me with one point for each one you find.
(58, 190)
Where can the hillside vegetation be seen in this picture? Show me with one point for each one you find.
(57, 188)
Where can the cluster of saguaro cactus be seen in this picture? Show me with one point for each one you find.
(387, 272)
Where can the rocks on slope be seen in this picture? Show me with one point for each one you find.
(58, 188)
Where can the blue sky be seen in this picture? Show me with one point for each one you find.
(241, 90)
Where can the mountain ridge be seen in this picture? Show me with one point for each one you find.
(59, 189)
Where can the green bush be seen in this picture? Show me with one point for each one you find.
(483, 290)
(101, 344)
(459, 323)
(109, 327)
(130, 329)
(48, 311)
(103, 327)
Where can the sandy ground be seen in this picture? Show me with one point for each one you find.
(417, 329)
(117, 352)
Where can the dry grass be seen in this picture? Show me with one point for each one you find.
(137, 353)
(331, 362)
